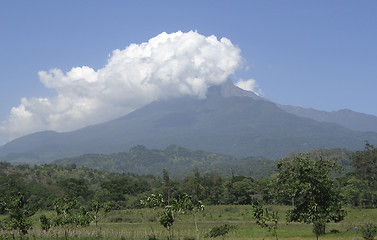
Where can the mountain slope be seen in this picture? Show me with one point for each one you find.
(237, 126)
(345, 117)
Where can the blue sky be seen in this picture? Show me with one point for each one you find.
(319, 54)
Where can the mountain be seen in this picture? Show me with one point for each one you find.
(345, 117)
(224, 122)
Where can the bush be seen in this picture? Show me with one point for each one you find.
(334, 231)
(152, 237)
(220, 230)
(369, 231)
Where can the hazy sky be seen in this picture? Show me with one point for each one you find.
(65, 64)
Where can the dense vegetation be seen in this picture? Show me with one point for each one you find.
(180, 161)
(80, 196)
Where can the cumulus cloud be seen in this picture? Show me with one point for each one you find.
(250, 85)
(167, 66)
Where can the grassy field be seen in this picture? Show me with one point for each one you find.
(143, 224)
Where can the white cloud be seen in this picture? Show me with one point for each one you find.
(249, 85)
(167, 66)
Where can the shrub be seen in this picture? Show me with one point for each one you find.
(220, 231)
(152, 237)
(369, 231)
(334, 231)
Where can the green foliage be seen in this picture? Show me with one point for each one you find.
(176, 160)
(75, 187)
(182, 204)
(265, 218)
(369, 231)
(365, 164)
(166, 218)
(307, 181)
(221, 231)
(93, 191)
(45, 222)
(167, 215)
(68, 216)
(100, 206)
(19, 213)
(352, 191)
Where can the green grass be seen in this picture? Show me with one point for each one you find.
(142, 223)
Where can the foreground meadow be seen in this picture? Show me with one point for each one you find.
(144, 224)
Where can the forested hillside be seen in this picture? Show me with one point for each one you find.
(177, 160)
(180, 161)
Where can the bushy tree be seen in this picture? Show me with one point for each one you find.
(365, 164)
(69, 215)
(307, 181)
(19, 213)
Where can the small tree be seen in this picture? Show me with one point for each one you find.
(19, 213)
(307, 181)
(265, 218)
(100, 206)
(182, 204)
(69, 216)
(166, 216)
(185, 204)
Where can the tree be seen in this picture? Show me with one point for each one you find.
(307, 181)
(19, 213)
(242, 190)
(166, 185)
(351, 191)
(182, 204)
(365, 164)
(77, 188)
(185, 204)
(68, 215)
(100, 206)
(212, 188)
(265, 218)
(166, 216)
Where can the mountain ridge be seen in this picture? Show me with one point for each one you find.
(345, 117)
(229, 121)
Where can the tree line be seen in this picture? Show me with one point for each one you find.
(313, 186)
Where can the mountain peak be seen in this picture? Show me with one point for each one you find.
(228, 89)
